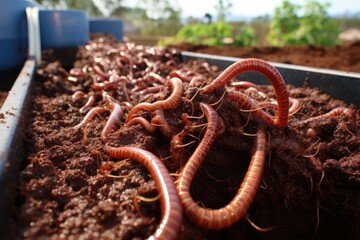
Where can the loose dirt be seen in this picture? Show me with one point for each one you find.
(342, 57)
(70, 188)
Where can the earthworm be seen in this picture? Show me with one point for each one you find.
(90, 102)
(100, 72)
(90, 115)
(109, 84)
(295, 105)
(247, 103)
(160, 121)
(239, 205)
(154, 89)
(116, 113)
(171, 102)
(64, 72)
(179, 74)
(335, 112)
(171, 210)
(257, 91)
(177, 150)
(145, 123)
(244, 85)
(269, 72)
(77, 94)
(157, 77)
(76, 72)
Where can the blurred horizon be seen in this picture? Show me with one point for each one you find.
(244, 10)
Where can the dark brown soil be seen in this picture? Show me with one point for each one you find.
(310, 188)
(3, 96)
(342, 57)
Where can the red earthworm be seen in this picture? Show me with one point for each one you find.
(90, 115)
(77, 94)
(257, 91)
(116, 113)
(100, 72)
(179, 74)
(245, 85)
(195, 80)
(64, 72)
(76, 72)
(269, 72)
(171, 210)
(171, 63)
(157, 77)
(177, 151)
(188, 172)
(295, 105)
(145, 123)
(109, 84)
(206, 66)
(248, 104)
(154, 89)
(333, 113)
(127, 105)
(239, 205)
(90, 102)
(171, 102)
(160, 121)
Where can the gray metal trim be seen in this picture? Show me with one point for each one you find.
(339, 84)
(12, 122)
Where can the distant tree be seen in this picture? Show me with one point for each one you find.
(86, 5)
(316, 26)
(112, 6)
(284, 23)
(223, 9)
(208, 18)
(246, 37)
(158, 18)
(207, 34)
(261, 25)
(313, 27)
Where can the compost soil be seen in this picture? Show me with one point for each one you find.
(344, 57)
(69, 188)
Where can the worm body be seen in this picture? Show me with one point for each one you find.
(171, 102)
(90, 115)
(269, 72)
(89, 103)
(115, 115)
(159, 120)
(145, 123)
(248, 104)
(335, 112)
(237, 208)
(77, 95)
(171, 211)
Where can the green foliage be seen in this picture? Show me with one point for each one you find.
(207, 34)
(246, 37)
(214, 34)
(313, 27)
(152, 18)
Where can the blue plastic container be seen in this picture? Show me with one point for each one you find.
(111, 26)
(63, 28)
(13, 33)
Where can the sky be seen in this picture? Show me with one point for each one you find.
(250, 8)
(253, 8)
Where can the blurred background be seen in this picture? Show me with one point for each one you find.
(228, 22)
